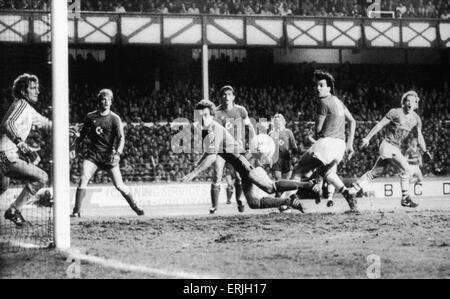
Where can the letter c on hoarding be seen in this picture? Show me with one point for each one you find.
(446, 188)
(418, 189)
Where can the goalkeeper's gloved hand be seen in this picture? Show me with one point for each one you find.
(30, 154)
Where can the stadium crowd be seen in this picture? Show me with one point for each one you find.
(322, 8)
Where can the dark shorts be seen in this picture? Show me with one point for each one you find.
(102, 160)
(283, 165)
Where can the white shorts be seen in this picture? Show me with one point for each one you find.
(415, 171)
(388, 151)
(328, 150)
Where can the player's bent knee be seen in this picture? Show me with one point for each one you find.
(252, 200)
(43, 179)
(253, 204)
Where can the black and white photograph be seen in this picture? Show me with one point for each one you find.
(224, 144)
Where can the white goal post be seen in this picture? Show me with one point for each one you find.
(60, 103)
(379, 13)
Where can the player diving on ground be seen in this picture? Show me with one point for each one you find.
(217, 141)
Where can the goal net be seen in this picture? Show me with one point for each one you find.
(34, 142)
(37, 231)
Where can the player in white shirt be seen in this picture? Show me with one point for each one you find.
(17, 159)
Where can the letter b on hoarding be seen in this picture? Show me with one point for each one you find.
(388, 190)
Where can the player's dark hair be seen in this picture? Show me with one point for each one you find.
(225, 88)
(206, 104)
(21, 84)
(323, 75)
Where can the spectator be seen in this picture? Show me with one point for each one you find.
(400, 10)
(193, 9)
(119, 8)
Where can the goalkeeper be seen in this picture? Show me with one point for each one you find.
(17, 159)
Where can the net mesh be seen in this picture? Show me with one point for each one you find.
(37, 210)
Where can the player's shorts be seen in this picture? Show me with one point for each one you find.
(283, 165)
(415, 171)
(102, 160)
(328, 150)
(388, 151)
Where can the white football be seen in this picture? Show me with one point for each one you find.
(265, 147)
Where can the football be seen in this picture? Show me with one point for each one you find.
(265, 147)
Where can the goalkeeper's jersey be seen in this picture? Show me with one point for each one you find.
(17, 123)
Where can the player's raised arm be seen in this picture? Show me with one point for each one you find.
(15, 115)
(377, 128)
(206, 160)
(351, 136)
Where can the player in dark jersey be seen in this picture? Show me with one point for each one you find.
(217, 141)
(329, 149)
(285, 146)
(399, 122)
(106, 142)
(415, 162)
(234, 118)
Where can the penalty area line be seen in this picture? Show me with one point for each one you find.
(118, 265)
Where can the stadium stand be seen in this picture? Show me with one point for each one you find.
(320, 8)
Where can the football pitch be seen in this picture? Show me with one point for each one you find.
(187, 242)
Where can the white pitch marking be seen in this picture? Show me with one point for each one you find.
(110, 263)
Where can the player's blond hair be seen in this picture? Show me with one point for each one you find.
(105, 92)
(413, 94)
(283, 120)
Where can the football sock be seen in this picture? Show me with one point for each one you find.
(334, 179)
(364, 181)
(22, 199)
(129, 198)
(238, 188)
(79, 196)
(215, 191)
(330, 189)
(230, 191)
(404, 184)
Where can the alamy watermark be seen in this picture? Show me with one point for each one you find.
(374, 9)
(73, 271)
(374, 269)
(194, 138)
(74, 9)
